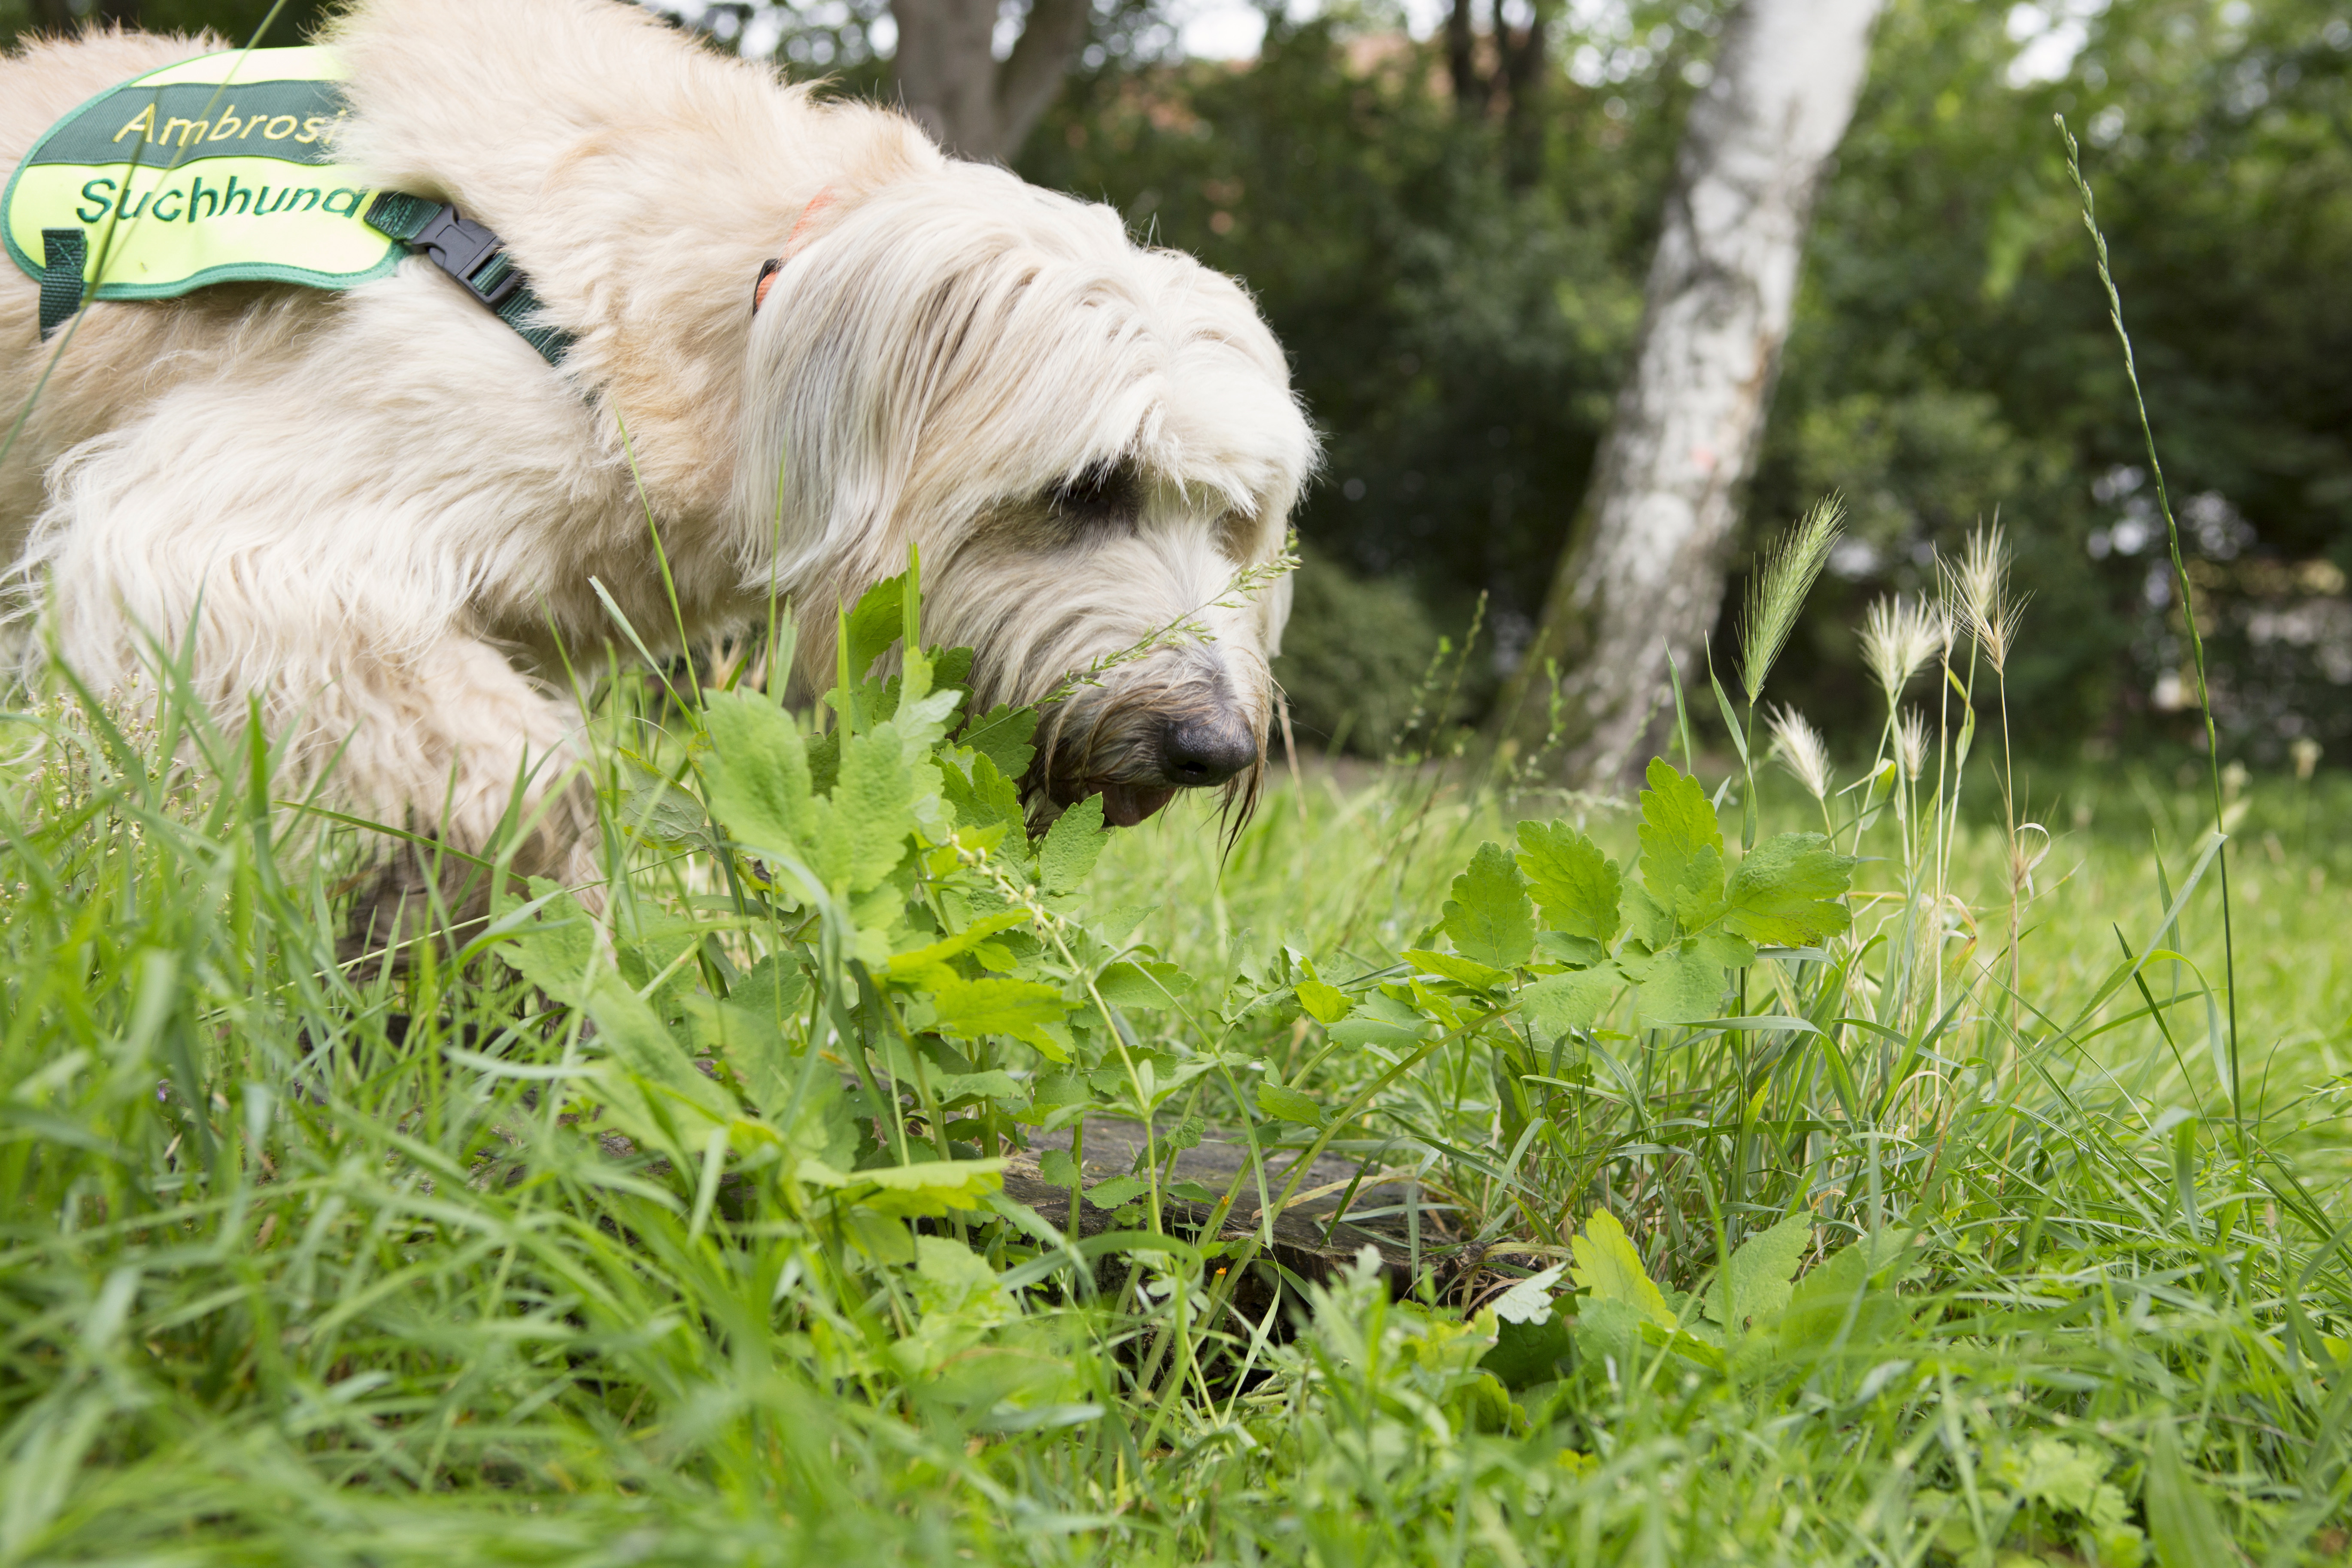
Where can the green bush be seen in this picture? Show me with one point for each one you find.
(1354, 657)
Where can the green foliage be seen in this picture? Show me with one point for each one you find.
(1355, 654)
(1578, 887)
(1490, 918)
(680, 1219)
(1459, 335)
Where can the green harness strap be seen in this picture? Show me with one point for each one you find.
(68, 253)
(476, 258)
(473, 255)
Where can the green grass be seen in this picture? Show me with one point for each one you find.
(276, 1286)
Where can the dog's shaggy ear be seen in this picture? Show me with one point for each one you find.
(959, 342)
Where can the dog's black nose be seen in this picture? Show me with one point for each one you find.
(1205, 750)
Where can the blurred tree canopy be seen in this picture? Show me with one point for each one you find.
(1458, 336)
(1457, 278)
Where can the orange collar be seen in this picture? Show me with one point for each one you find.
(768, 270)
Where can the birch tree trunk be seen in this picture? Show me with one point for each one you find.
(1643, 564)
(950, 79)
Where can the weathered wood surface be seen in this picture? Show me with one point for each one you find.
(1309, 1240)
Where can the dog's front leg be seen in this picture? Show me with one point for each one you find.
(343, 621)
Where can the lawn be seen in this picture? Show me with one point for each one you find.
(1757, 1205)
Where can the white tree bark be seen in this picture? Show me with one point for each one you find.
(1643, 564)
(950, 80)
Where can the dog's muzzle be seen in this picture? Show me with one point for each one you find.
(1192, 751)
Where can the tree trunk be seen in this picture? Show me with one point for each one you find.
(1471, 91)
(1643, 569)
(950, 80)
(1524, 70)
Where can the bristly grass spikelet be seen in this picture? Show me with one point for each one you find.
(1778, 590)
(1799, 747)
(1911, 742)
(1899, 637)
(1978, 588)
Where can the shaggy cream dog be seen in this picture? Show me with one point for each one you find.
(380, 511)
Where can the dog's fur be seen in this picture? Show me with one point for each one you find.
(380, 511)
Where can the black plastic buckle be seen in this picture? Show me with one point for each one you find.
(471, 253)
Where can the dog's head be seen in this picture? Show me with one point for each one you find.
(1094, 445)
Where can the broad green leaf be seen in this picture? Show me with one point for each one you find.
(1841, 1301)
(762, 1057)
(771, 990)
(1560, 1003)
(1133, 983)
(1461, 971)
(1109, 1194)
(1288, 1105)
(950, 1277)
(872, 808)
(1647, 921)
(1790, 892)
(648, 942)
(1023, 1009)
(1360, 1032)
(1612, 1328)
(1759, 1280)
(1680, 985)
(2051, 1470)
(823, 1126)
(931, 1188)
(876, 623)
(1001, 735)
(1579, 952)
(927, 965)
(1575, 884)
(1608, 1269)
(1528, 1354)
(952, 665)
(995, 1084)
(630, 1032)
(1324, 1003)
(1489, 917)
(1072, 846)
(988, 799)
(554, 946)
(1682, 844)
(1724, 949)
(756, 773)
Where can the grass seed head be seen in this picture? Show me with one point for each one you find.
(1776, 592)
(1800, 748)
(1898, 639)
(1911, 744)
(1977, 592)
